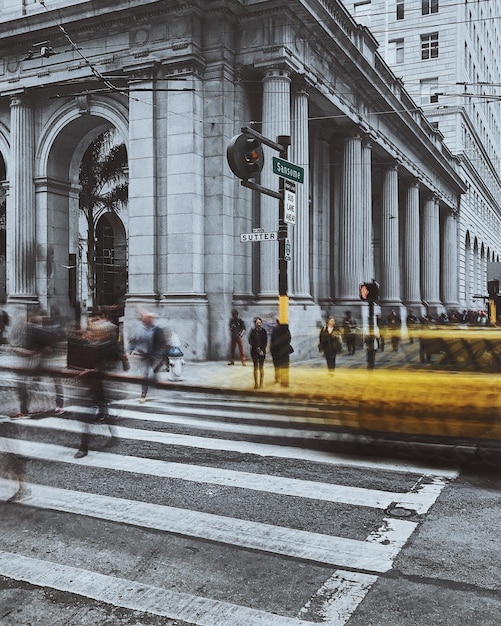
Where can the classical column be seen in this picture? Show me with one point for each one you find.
(411, 254)
(142, 205)
(21, 213)
(366, 210)
(351, 226)
(430, 255)
(276, 121)
(300, 232)
(449, 274)
(390, 254)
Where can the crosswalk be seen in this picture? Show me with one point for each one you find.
(225, 481)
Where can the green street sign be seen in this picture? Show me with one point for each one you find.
(288, 170)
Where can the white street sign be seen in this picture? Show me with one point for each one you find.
(253, 237)
(290, 202)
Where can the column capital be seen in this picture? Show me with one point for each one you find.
(20, 98)
(276, 72)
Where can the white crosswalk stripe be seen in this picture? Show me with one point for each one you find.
(356, 563)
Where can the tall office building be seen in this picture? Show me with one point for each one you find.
(448, 56)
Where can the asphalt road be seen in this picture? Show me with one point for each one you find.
(220, 511)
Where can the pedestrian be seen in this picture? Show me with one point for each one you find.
(34, 342)
(4, 322)
(330, 343)
(149, 345)
(394, 324)
(350, 332)
(101, 342)
(237, 332)
(258, 340)
(412, 325)
(14, 464)
(280, 350)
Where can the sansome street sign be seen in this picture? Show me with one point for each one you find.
(253, 237)
(285, 169)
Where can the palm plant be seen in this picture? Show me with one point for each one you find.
(104, 186)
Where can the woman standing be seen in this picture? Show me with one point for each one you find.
(330, 343)
(258, 339)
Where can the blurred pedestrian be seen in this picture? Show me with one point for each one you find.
(237, 332)
(330, 343)
(350, 328)
(149, 344)
(280, 350)
(35, 343)
(101, 344)
(258, 340)
(394, 324)
(14, 466)
(4, 322)
(412, 325)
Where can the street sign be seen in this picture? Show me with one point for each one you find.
(290, 202)
(288, 250)
(285, 169)
(259, 236)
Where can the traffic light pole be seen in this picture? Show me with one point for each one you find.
(282, 146)
(283, 287)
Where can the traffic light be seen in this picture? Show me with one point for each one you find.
(369, 291)
(245, 156)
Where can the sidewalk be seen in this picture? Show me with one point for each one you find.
(220, 375)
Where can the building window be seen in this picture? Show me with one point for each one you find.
(400, 9)
(429, 6)
(429, 46)
(362, 12)
(395, 51)
(429, 91)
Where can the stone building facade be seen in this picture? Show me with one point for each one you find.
(448, 56)
(381, 195)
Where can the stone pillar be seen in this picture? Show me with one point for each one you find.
(411, 248)
(366, 209)
(390, 253)
(21, 211)
(143, 272)
(430, 255)
(449, 274)
(300, 233)
(351, 248)
(276, 121)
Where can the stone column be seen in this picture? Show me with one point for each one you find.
(300, 233)
(390, 253)
(351, 226)
(430, 255)
(21, 212)
(143, 269)
(276, 121)
(411, 253)
(449, 274)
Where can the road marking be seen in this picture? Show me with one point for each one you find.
(137, 596)
(338, 597)
(247, 447)
(419, 501)
(376, 554)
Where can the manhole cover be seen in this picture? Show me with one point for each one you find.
(398, 511)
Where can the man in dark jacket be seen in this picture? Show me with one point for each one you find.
(280, 348)
(258, 340)
(237, 332)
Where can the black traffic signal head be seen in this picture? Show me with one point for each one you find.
(369, 292)
(245, 156)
